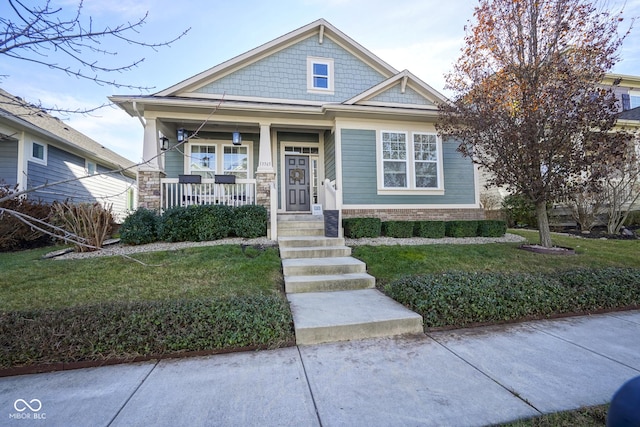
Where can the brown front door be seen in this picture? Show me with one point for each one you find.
(297, 183)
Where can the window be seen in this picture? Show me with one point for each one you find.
(634, 99)
(410, 164)
(320, 75)
(394, 163)
(425, 157)
(203, 160)
(236, 160)
(38, 153)
(91, 168)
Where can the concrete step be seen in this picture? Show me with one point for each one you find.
(300, 217)
(322, 266)
(321, 317)
(329, 282)
(298, 232)
(309, 241)
(315, 252)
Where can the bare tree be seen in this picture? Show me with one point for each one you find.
(39, 33)
(527, 104)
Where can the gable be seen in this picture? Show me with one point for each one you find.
(395, 95)
(283, 74)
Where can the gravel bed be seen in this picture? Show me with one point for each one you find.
(120, 249)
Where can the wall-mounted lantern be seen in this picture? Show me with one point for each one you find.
(164, 143)
(183, 135)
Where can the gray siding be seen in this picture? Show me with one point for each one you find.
(329, 155)
(174, 160)
(359, 174)
(284, 74)
(394, 95)
(9, 162)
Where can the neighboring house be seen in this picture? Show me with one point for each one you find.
(37, 148)
(322, 121)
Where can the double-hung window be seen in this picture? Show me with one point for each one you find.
(409, 162)
(236, 160)
(203, 160)
(217, 157)
(320, 75)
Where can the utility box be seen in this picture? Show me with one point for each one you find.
(331, 225)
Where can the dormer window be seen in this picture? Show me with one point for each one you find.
(320, 75)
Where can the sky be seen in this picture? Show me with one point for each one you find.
(423, 36)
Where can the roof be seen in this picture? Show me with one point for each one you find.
(633, 114)
(23, 114)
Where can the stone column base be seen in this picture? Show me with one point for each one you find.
(149, 189)
(263, 188)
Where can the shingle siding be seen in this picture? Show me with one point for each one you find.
(8, 162)
(394, 95)
(284, 74)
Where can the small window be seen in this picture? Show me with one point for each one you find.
(320, 75)
(92, 168)
(38, 153)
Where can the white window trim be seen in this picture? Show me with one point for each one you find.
(329, 63)
(411, 188)
(219, 144)
(45, 150)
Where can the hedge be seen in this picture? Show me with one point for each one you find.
(459, 299)
(140, 227)
(356, 228)
(461, 228)
(430, 229)
(250, 221)
(121, 330)
(492, 228)
(399, 229)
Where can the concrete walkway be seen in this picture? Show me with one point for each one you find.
(470, 377)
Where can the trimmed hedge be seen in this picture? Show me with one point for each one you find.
(492, 228)
(461, 228)
(121, 330)
(399, 229)
(459, 299)
(430, 229)
(140, 227)
(356, 228)
(250, 221)
(212, 222)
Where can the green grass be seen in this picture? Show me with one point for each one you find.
(594, 416)
(389, 263)
(29, 282)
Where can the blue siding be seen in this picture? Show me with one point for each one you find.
(174, 160)
(283, 74)
(8, 162)
(394, 95)
(61, 165)
(329, 155)
(359, 174)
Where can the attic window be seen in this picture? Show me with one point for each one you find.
(38, 153)
(320, 75)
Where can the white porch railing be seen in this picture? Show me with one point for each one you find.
(331, 195)
(174, 193)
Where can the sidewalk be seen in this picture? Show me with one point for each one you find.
(470, 377)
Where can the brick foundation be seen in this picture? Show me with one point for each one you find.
(415, 214)
(149, 189)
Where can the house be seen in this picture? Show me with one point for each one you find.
(310, 118)
(37, 148)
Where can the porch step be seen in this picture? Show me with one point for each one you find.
(329, 282)
(322, 266)
(321, 317)
(294, 232)
(300, 225)
(315, 252)
(309, 241)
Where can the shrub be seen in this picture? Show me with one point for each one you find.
(140, 227)
(15, 234)
(176, 224)
(90, 222)
(633, 219)
(520, 211)
(460, 299)
(356, 228)
(119, 330)
(212, 222)
(430, 229)
(461, 228)
(492, 228)
(250, 221)
(399, 229)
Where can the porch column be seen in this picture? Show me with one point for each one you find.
(265, 174)
(150, 172)
(150, 148)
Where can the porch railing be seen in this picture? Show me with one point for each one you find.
(174, 193)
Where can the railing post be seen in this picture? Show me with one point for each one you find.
(273, 212)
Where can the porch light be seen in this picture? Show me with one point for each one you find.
(237, 138)
(164, 143)
(183, 135)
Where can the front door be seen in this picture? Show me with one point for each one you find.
(297, 183)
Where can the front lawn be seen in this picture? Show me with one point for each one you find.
(197, 299)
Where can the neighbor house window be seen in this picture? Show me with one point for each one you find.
(38, 153)
(91, 168)
(320, 75)
(236, 160)
(394, 159)
(425, 157)
(203, 160)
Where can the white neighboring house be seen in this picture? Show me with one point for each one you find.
(37, 148)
